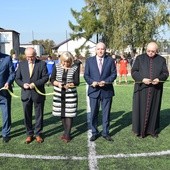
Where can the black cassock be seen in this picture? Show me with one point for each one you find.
(147, 98)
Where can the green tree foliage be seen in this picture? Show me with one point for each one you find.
(87, 23)
(121, 23)
(48, 44)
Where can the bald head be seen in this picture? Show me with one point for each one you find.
(30, 54)
(100, 49)
(30, 50)
(152, 49)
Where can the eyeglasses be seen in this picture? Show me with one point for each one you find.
(151, 51)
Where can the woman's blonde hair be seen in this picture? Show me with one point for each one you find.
(66, 56)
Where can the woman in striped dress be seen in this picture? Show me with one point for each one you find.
(65, 78)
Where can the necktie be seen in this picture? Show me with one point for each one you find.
(31, 66)
(100, 65)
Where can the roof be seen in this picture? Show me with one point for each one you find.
(67, 40)
(5, 30)
(63, 42)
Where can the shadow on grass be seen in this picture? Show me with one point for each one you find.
(164, 119)
(79, 123)
(16, 130)
(52, 125)
(119, 121)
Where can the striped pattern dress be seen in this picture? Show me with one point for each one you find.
(65, 100)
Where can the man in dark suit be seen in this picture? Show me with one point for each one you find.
(7, 76)
(100, 72)
(32, 73)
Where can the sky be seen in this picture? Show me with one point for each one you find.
(42, 19)
(39, 19)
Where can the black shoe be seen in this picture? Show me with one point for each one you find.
(93, 138)
(6, 139)
(155, 135)
(108, 138)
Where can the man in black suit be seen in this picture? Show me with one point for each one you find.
(32, 72)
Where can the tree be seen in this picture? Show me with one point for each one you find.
(48, 44)
(121, 23)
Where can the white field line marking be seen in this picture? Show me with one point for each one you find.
(42, 157)
(92, 161)
(161, 153)
(22, 156)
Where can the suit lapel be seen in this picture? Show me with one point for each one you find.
(104, 63)
(26, 66)
(95, 64)
(35, 67)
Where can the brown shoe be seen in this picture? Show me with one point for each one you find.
(62, 137)
(29, 139)
(39, 139)
(66, 139)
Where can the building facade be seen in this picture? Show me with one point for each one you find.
(39, 48)
(72, 45)
(9, 40)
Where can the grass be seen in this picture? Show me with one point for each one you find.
(120, 129)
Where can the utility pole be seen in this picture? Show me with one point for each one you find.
(66, 40)
(32, 35)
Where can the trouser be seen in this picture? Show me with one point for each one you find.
(5, 104)
(105, 106)
(28, 114)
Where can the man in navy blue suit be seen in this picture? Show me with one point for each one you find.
(100, 72)
(7, 76)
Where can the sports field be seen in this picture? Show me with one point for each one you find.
(126, 152)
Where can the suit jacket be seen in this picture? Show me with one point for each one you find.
(39, 78)
(7, 73)
(108, 75)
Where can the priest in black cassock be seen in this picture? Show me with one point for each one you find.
(149, 72)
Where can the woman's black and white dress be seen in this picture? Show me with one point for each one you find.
(65, 100)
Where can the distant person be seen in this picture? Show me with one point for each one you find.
(132, 61)
(100, 73)
(7, 76)
(149, 72)
(78, 62)
(123, 71)
(115, 61)
(15, 62)
(65, 78)
(50, 65)
(57, 61)
(32, 73)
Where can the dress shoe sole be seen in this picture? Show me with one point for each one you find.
(93, 138)
(6, 139)
(66, 140)
(108, 139)
(39, 139)
(29, 141)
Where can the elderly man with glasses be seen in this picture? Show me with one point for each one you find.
(149, 72)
